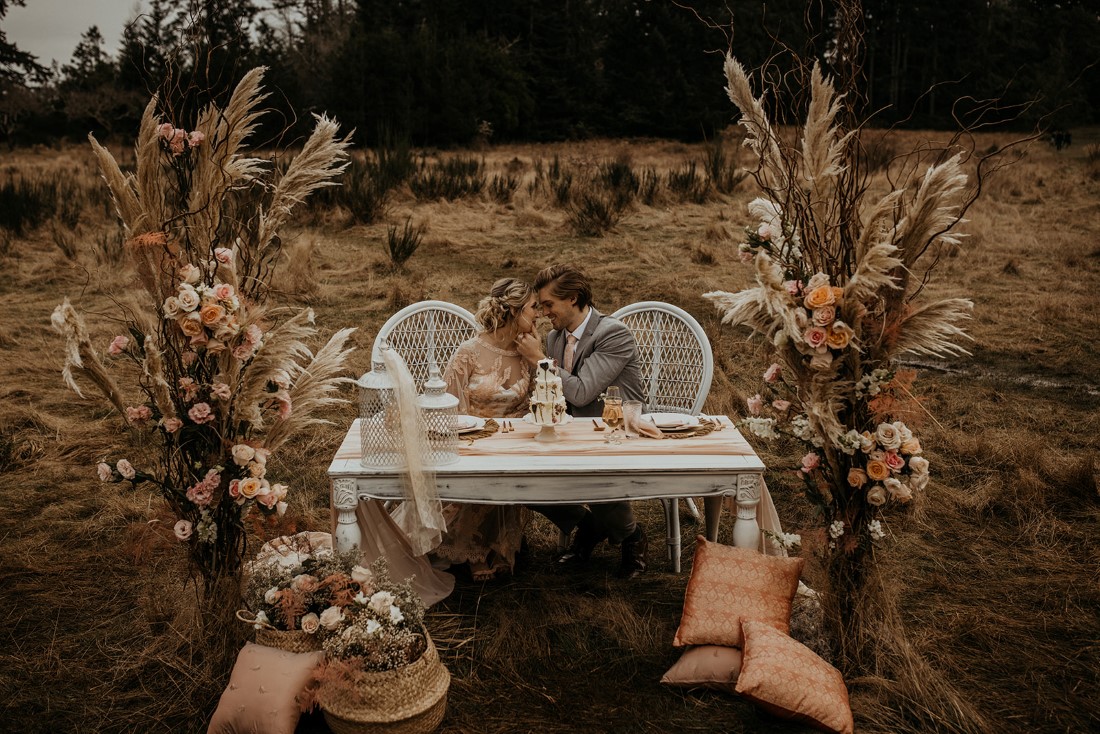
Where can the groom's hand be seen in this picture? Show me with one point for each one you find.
(530, 348)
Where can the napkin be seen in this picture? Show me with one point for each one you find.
(647, 429)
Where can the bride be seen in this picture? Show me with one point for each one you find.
(491, 380)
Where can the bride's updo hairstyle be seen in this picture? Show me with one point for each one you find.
(506, 299)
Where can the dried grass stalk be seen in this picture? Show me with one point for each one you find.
(81, 356)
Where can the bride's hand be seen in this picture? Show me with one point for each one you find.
(529, 347)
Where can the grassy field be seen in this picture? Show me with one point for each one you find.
(995, 575)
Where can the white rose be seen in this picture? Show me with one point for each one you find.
(280, 508)
(331, 618)
(395, 615)
(310, 624)
(279, 490)
(105, 472)
(361, 598)
(361, 575)
(171, 307)
(876, 495)
(381, 602)
(190, 274)
(189, 298)
(126, 469)
(888, 437)
(918, 482)
(270, 595)
(893, 485)
(904, 433)
(919, 465)
(817, 281)
(261, 620)
(242, 454)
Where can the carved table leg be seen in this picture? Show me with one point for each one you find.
(344, 503)
(746, 530)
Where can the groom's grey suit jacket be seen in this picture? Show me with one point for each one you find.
(606, 355)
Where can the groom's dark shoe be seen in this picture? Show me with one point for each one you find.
(587, 537)
(634, 552)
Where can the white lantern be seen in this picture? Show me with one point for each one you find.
(379, 419)
(439, 408)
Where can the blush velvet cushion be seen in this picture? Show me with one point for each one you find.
(706, 666)
(786, 678)
(264, 691)
(729, 585)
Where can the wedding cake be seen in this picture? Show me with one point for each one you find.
(547, 401)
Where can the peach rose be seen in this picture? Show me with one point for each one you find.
(171, 425)
(311, 623)
(249, 487)
(304, 583)
(912, 446)
(817, 280)
(280, 509)
(838, 293)
(190, 324)
(361, 575)
(818, 297)
(211, 313)
(876, 496)
(268, 500)
(825, 315)
(279, 490)
(856, 477)
(877, 470)
(900, 493)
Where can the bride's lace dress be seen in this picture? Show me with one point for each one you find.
(489, 383)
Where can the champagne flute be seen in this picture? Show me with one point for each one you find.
(613, 414)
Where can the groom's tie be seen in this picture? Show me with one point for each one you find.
(570, 351)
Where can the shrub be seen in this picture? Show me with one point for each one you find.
(649, 186)
(27, 203)
(502, 188)
(686, 184)
(450, 179)
(618, 176)
(722, 173)
(593, 212)
(401, 246)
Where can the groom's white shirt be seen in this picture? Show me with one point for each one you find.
(579, 331)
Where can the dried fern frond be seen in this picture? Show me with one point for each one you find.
(153, 366)
(312, 390)
(822, 145)
(80, 355)
(322, 159)
(761, 138)
(935, 209)
(121, 186)
(933, 329)
(282, 347)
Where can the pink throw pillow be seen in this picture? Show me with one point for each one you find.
(263, 696)
(706, 666)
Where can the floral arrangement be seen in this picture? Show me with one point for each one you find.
(835, 296)
(297, 592)
(224, 377)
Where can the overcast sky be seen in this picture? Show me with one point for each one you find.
(50, 29)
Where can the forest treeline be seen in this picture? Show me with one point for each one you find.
(450, 72)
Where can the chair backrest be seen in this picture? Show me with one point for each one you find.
(674, 351)
(426, 331)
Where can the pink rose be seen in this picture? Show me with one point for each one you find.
(894, 461)
(182, 529)
(755, 404)
(126, 469)
(165, 130)
(221, 391)
(794, 287)
(172, 424)
(138, 414)
(118, 345)
(200, 494)
(268, 500)
(189, 388)
(105, 472)
(772, 373)
(781, 405)
(179, 140)
(810, 462)
(235, 488)
(815, 336)
(201, 413)
(223, 255)
(223, 291)
(242, 351)
(195, 138)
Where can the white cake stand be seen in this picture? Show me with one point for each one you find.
(548, 433)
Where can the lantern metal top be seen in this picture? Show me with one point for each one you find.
(435, 395)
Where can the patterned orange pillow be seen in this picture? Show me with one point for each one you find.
(731, 584)
(788, 679)
(706, 666)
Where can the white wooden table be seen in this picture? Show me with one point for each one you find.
(513, 468)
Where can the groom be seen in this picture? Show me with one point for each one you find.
(593, 352)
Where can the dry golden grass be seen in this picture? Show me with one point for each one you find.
(995, 576)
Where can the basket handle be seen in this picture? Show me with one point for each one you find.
(242, 616)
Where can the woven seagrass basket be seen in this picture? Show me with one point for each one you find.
(408, 700)
(289, 640)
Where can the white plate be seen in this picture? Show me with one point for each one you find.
(468, 423)
(565, 419)
(671, 421)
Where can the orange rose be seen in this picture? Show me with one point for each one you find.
(820, 296)
(878, 470)
(211, 313)
(838, 294)
(856, 477)
(840, 334)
